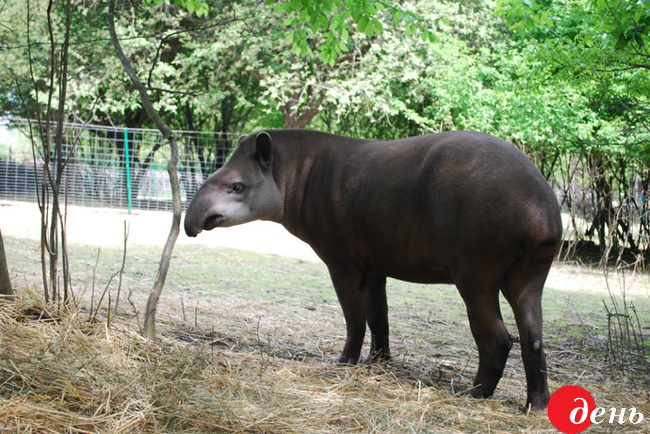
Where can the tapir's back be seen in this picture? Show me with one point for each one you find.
(414, 207)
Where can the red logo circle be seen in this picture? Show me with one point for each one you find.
(570, 409)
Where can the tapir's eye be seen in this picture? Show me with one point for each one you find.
(237, 187)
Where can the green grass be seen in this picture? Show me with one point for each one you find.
(249, 275)
(253, 276)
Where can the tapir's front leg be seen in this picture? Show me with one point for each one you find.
(377, 316)
(351, 292)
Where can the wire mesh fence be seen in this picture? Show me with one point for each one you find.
(108, 166)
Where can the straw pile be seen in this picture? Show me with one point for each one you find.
(59, 373)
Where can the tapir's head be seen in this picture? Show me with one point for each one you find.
(241, 191)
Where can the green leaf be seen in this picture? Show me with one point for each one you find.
(324, 57)
(323, 21)
(410, 29)
(397, 18)
(362, 24)
(378, 26)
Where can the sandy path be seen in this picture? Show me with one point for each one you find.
(105, 227)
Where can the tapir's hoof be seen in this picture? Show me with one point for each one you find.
(346, 360)
(538, 410)
(377, 357)
(538, 406)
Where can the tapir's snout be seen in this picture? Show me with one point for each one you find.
(194, 217)
(194, 226)
(191, 231)
(191, 228)
(203, 213)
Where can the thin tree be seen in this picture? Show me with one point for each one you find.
(172, 169)
(55, 155)
(5, 281)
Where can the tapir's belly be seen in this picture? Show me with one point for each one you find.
(419, 275)
(416, 259)
(405, 265)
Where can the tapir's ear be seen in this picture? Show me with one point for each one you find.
(264, 149)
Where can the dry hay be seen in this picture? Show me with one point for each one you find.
(59, 373)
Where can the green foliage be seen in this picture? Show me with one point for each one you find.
(596, 52)
(332, 21)
(597, 49)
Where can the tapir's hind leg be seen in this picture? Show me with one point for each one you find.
(523, 287)
(492, 338)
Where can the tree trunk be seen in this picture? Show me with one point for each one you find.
(172, 168)
(295, 120)
(5, 282)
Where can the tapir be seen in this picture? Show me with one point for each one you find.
(453, 207)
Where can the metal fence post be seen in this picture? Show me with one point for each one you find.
(154, 176)
(128, 169)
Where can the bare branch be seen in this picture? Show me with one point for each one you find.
(178, 32)
(119, 284)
